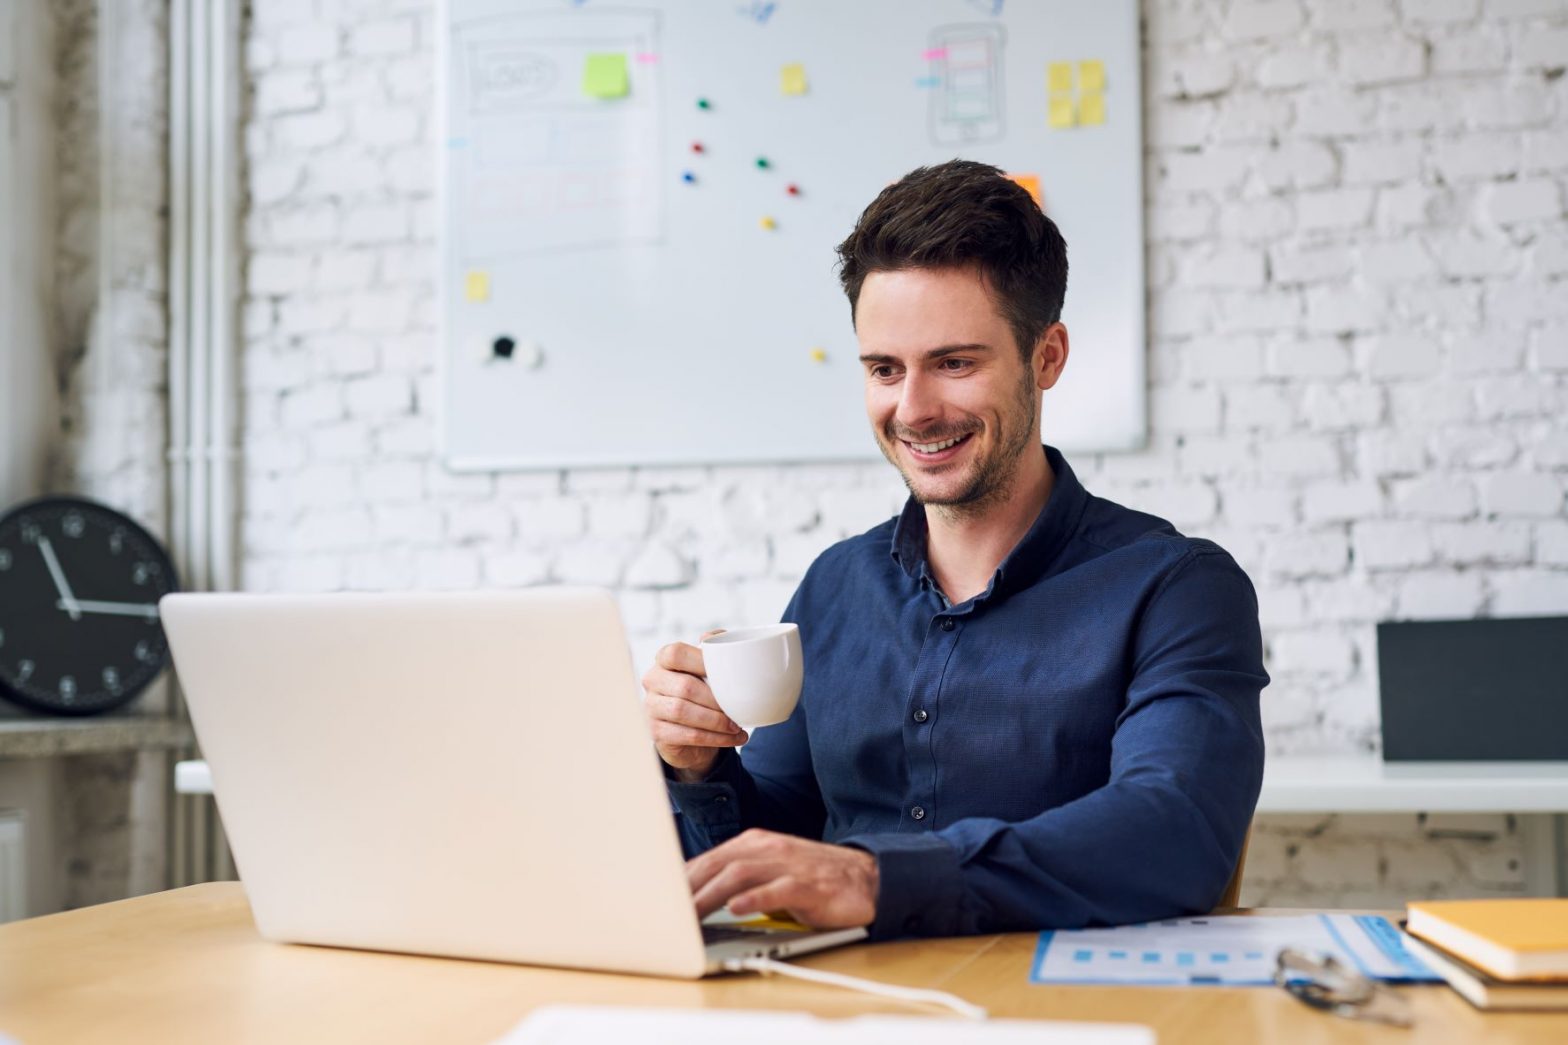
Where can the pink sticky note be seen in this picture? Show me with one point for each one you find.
(935, 53)
(647, 57)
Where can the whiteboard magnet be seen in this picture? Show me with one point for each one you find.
(530, 354)
(762, 163)
(768, 224)
(819, 355)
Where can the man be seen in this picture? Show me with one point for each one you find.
(1024, 706)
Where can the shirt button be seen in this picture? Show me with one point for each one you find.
(919, 812)
(921, 716)
(947, 624)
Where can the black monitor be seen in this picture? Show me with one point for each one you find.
(1483, 690)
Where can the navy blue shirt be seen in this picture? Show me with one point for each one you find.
(1078, 744)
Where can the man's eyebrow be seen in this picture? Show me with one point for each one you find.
(935, 353)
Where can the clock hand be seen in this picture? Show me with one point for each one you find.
(123, 609)
(67, 601)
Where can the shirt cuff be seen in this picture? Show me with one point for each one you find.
(710, 804)
(919, 884)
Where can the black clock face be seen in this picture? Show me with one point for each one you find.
(79, 588)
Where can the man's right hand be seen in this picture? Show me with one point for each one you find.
(688, 728)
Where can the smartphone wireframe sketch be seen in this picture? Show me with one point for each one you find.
(966, 61)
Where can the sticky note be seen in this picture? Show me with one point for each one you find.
(1059, 77)
(1091, 110)
(604, 76)
(1030, 182)
(1062, 114)
(934, 54)
(1091, 76)
(476, 286)
(792, 79)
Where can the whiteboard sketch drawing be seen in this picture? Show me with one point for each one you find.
(538, 165)
(966, 63)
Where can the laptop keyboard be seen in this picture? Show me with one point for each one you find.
(725, 933)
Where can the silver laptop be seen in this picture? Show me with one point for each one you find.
(458, 774)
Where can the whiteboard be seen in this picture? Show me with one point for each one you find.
(644, 317)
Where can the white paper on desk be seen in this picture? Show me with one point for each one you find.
(575, 1025)
(1222, 950)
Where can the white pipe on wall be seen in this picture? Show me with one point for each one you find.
(205, 71)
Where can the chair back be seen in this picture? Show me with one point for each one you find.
(1232, 895)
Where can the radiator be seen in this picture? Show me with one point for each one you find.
(13, 866)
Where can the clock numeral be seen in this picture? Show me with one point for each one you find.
(67, 688)
(5, 559)
(30, 532)
(111, 680)
(24, 670)
(143, 652)
(73, 525)
(2, 638)
(144, 572)
(117, 542)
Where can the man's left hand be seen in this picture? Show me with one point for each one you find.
(820, 885)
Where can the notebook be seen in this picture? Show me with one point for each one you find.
(1485, 991)
(1514, 939)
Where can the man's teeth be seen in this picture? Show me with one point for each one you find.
(932, 448)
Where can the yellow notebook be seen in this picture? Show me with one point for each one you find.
(1511, 939)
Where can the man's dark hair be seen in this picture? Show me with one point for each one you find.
(959, 214)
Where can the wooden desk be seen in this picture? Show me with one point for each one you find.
(187, 966)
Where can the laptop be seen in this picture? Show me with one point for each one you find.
(467, 775)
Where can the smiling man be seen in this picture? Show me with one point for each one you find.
(1025, 707)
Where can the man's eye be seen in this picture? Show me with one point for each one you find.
(882, 372)
(955, 364)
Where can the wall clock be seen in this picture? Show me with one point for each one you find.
(79, 590)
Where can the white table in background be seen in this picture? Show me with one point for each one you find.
(1536, 791)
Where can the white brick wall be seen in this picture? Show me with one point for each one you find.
(1359, 341)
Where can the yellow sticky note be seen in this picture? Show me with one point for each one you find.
(1091, 110)
(1059, 77)
(1062, 113)
(792, 79)
(1030, 182)
(604, 76)
(476, 286)
(1091, 76)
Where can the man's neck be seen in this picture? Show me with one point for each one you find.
(965, 548)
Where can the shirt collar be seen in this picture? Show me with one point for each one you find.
(1030, 557)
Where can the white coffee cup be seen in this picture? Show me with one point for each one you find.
(755, 673)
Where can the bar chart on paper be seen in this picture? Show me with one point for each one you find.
(1226, 950)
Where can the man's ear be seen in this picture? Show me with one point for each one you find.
(1050, 356)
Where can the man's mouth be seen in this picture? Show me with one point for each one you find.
(939, 450)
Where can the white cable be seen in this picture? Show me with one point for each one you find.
(915, 995)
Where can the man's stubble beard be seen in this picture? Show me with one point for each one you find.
(993, 479)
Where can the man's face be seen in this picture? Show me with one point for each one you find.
(951, 400)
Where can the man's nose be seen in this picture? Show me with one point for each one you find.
(918, 402)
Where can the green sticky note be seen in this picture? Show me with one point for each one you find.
(604, 76)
